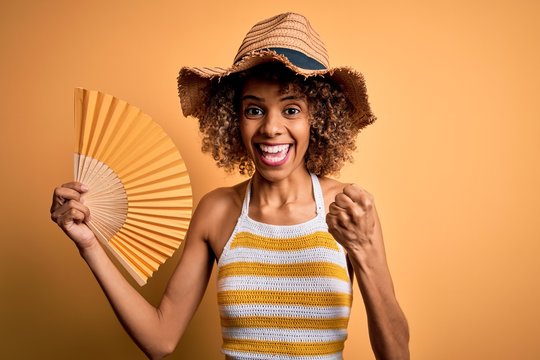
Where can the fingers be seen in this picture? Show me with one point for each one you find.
(353, 207)
(338, 226)
(343, 217)
(344, 201)
(70, 211)
(75, 185)
(358, 195)
(352, 219)
(353, 200)
(68, 191)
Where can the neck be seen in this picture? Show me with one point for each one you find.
(277, 193)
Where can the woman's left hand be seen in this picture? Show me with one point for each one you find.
(353, 221)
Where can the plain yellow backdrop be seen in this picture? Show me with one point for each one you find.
(453, 160)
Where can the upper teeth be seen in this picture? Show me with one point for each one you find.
(274, 148)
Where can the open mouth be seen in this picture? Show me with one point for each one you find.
(273, 155)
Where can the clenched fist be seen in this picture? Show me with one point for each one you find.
(70, 214)
(353, 222)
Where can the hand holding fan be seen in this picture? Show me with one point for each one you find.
(140, 197)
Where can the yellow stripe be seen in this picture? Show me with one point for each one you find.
(235, 297)
(309, 269)
(317, 239)
(281, 347)
(284, 322)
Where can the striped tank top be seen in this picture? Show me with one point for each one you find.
(283, 290)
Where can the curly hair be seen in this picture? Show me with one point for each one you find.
(332, 128)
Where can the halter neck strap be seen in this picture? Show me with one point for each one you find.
(317, 194)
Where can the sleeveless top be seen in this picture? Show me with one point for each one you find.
(283, 291)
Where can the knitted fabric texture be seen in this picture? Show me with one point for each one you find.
(284, 292)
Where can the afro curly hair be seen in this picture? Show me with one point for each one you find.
(333, 129)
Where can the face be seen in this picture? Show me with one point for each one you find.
(275, 128)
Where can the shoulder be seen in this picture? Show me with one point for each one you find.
(331, 187)
(218, 211)
(223, 199)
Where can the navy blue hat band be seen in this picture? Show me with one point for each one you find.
(299, 59)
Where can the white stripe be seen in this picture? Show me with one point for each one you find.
(256, 356)
(310, 312)
(283, 257)
(290, 284)
(283, 231)
(286, 335)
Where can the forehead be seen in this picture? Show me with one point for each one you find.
(270, 87)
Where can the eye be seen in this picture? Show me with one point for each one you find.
(291, 111)
(253, 111)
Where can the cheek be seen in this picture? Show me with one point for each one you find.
(246, 134)
(305, 133)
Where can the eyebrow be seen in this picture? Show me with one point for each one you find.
(284, 98)
(251, 97)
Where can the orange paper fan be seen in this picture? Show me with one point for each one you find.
(140, 197)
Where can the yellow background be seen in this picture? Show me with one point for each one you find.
(453, 160)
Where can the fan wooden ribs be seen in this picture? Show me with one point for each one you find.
(140, 196)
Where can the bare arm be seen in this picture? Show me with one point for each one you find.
(353, 221)
(155, 330)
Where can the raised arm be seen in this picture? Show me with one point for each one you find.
(353, 221)
(155, 330)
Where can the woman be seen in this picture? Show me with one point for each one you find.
(289, 241)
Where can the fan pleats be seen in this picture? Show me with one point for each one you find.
(140, 196)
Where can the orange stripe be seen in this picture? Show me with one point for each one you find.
(308, 269)
(317, 239)
(234, 297)
(284, 322)
(281, 347)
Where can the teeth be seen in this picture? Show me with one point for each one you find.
(273, 149)
(274, 153)
(275, 159)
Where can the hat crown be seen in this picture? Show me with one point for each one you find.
(287, 38)
(289, 32)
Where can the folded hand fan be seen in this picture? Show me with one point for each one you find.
(139, 190)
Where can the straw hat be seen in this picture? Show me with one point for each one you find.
(287, 38)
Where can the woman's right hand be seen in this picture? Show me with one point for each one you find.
(69, 212)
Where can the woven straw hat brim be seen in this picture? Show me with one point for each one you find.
(194, 83)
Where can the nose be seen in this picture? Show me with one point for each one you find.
(272, 124)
